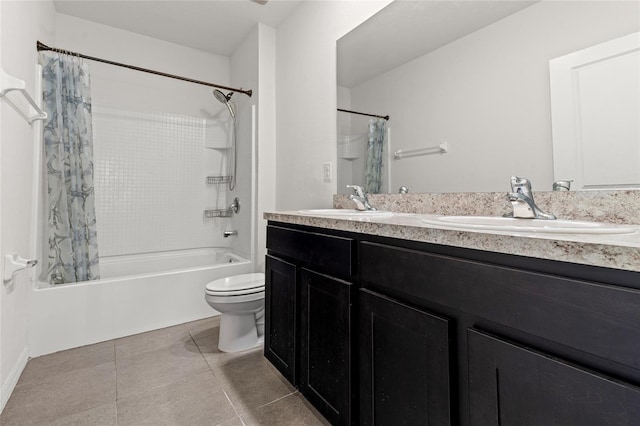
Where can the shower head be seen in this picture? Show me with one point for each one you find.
(221, 96)
(225, 99)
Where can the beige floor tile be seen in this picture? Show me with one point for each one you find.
(290, 410)
(61, 396)
(48, 366)
(251, 382)
(204, 327)
(151, 341)
(236, 421)
(146, 370)
(208, 346)
(196, 400)
(104, 415)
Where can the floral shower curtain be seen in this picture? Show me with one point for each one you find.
(373, 164)
(73, 246)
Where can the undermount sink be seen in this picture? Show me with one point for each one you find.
(347, 213)
(509, 224)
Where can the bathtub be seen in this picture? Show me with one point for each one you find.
(136, 293)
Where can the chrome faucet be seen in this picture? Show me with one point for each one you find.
(562, 185)
(360, 198)
(228, 234)
(521, 199)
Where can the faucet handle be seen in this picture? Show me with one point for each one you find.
(358, 190)
(521, 184)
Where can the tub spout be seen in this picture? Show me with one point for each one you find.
(227, 234)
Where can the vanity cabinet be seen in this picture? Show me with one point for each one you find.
(309, 316)
(325, 344)
(514, 385)
(404, 364)
(444, 335)
(280, 316)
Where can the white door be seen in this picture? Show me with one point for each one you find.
(595, 109)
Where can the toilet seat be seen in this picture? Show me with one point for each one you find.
(236, 285)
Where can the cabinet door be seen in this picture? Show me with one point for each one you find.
(512, 385)
(325, 345)
(280, 316)
(404, 364)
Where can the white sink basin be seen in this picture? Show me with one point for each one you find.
(347, 213)
(525, 225)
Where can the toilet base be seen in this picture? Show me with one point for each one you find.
(238, 332)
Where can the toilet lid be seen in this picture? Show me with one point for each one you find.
(237, 285)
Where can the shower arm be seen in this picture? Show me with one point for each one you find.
(43, 47)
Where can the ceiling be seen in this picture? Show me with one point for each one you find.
(216, 26)
(406, 30)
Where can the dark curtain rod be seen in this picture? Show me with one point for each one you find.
(41, 46)
(386, 117)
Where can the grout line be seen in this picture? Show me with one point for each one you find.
(232, 405)
(278, 399)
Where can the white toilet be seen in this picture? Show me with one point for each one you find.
(240, 300)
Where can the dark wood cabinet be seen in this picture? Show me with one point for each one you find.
(514, 385)
(381, 331)
(280, 316)
(404, 364)
(325, 346)
(308, 280)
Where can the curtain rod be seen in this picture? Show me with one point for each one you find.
(386, 117)
(41, 46)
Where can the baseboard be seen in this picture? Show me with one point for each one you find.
(12, 380)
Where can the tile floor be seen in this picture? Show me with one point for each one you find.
(172, 376)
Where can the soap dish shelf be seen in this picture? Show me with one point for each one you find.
(215, 180)
(210, 214)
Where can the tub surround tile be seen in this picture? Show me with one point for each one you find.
(146, 370)
(290, 410)
(48, 366)
(63, 395)
(196, 400)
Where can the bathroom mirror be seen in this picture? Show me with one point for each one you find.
(473, 74)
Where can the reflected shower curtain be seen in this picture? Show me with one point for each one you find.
(68, 144)
(373, 164)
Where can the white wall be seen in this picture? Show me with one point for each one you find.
(244, 74)
(487, 94)
(21, 24)
(306, 98)
(266, 149)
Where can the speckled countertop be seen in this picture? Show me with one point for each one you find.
(619, 251)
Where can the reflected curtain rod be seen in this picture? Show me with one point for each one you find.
(386, 117)
(41, 46)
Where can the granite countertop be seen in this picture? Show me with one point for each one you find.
(618, 251)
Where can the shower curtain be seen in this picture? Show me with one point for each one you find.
(373, 162)
(67, 133)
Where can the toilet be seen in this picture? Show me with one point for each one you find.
(240, 300)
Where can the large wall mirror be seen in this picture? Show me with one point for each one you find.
(476, 75)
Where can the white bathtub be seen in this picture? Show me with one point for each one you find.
(135, 294)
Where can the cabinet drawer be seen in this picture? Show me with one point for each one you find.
(514, 385)
(332, 255)
(603, 320)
